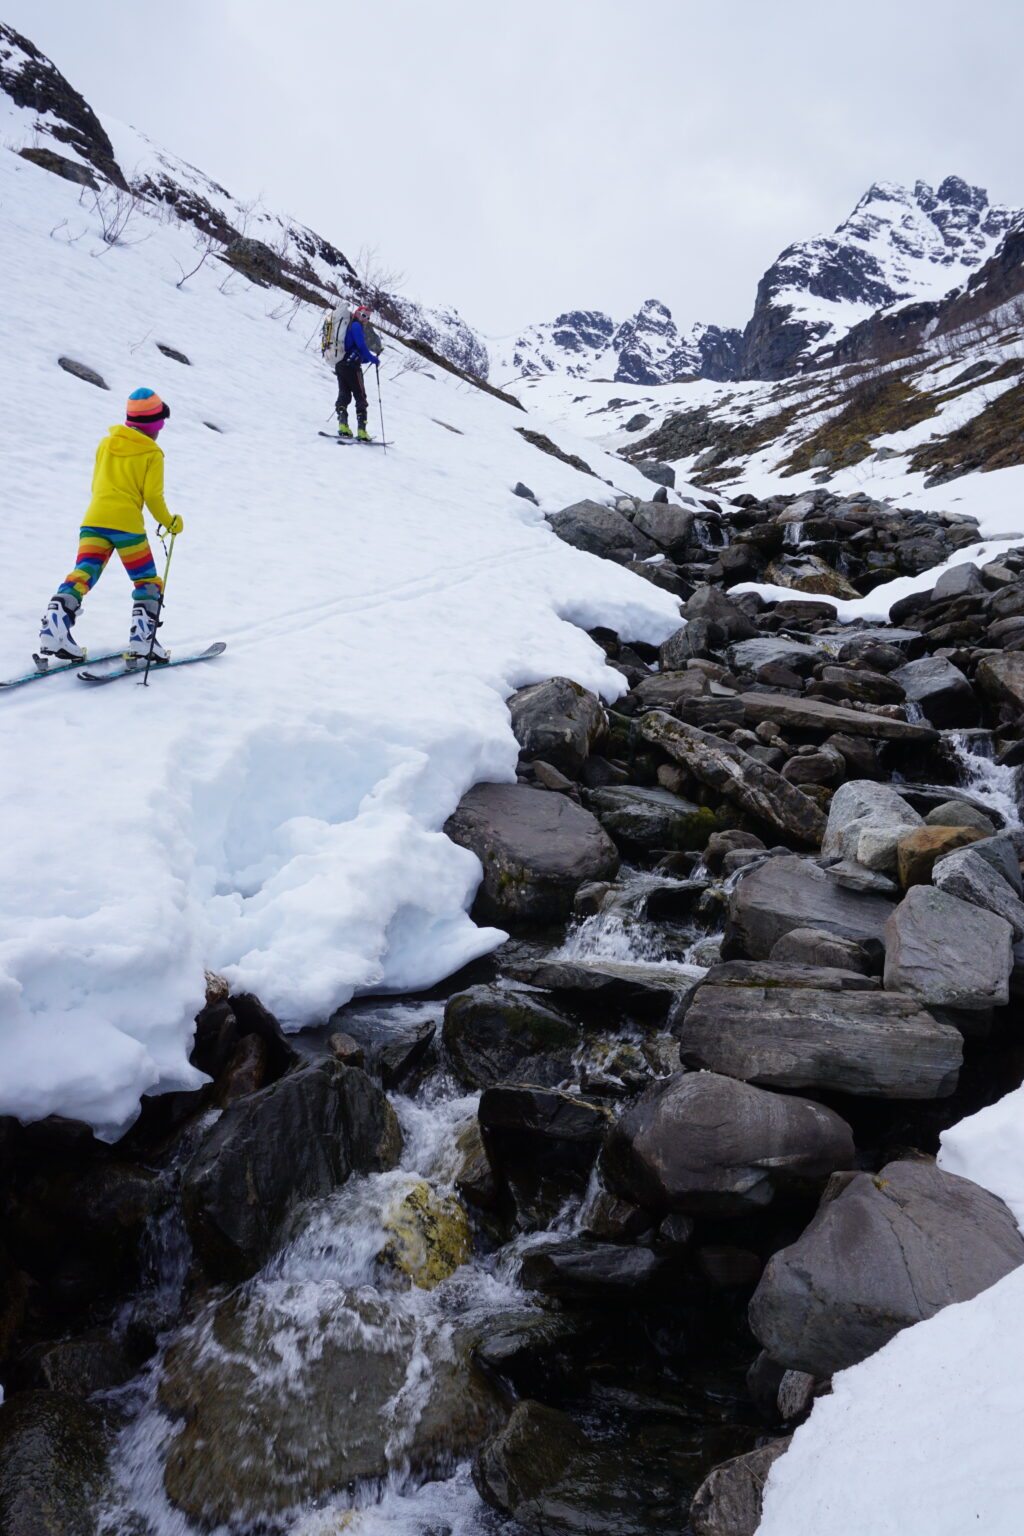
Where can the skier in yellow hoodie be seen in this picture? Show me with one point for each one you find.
(129, 473)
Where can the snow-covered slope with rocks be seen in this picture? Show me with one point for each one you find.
(275, 815)
(645, 348)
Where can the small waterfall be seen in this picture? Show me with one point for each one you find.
(991, 785)
(792, 534)
(710, 533)
(624, 934)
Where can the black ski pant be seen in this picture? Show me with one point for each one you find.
(350, 383)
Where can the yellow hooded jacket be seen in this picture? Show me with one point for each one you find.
(129, 472)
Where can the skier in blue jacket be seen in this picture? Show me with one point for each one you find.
(349, 370)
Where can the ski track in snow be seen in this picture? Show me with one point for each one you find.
(275, 814)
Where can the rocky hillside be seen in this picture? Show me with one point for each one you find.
(50, 123)
(646, 348)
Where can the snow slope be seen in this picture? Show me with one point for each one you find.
(274, 815)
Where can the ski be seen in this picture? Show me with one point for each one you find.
(139, 671)
(61, 666)
(375, 442)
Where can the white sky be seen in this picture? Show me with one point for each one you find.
(552, 154)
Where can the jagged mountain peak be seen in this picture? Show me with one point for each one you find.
(645, 348)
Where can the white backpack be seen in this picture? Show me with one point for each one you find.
(332, 334)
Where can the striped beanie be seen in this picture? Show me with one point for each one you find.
(144, 407)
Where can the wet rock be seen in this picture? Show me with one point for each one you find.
(246, 1071)
(474, 1176)
(394, 1045)
(542, 1144)
(428, 1236)
(558, 721)
(293, 1141)
(818, 715)
(758, 789)
(1001, 680)
(967, 875)
(917, 852)
(866, 822)
(580, 1270)
(493, 1034)
(787, 893)
(883, 1251)
(818, 947)
(78, 1367)
(728, 1502)
(809, 573)
(345, 1049)
(519, 1346)
(604, 1215)
(53, 1452)
(544, 1473)
(773, 973)
(321, 1409)
(644, 819)
(537, 849)
(942, 690)
(608, 986)
(947, 952)
(873, 1043)
(709, 1145)
(601, 531)
(722, 843)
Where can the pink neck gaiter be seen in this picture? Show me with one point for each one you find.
(150, 428)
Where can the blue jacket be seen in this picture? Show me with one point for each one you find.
(355, 344)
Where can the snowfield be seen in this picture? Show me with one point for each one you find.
(275, 815)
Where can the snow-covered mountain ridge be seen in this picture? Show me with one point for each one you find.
(898, 244)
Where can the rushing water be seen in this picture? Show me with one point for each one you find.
(991, 785)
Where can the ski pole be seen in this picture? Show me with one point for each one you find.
(380, 405)
(159, 609)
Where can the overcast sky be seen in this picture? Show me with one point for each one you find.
(519, 160)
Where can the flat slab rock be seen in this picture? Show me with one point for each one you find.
(787, 893)
(728, 1501)
(816, 714)
(648, 988)
(873, 1043)
(537, 848)
(758, 789)
(883, 1251)
(948, 953)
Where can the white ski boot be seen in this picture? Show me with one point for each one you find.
(55, 638)
(143, 631)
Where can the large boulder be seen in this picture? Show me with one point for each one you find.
(728, 1501)
(53, 1452)
(668, 525)
(557, 721)
(947, 952)
(1001, 680)
(493, 1034)
(537, 848)
(709, 1145)
(855, 1042)
(293, 1141)
(787, 893)
(542, 1143)
(806, 714)
(970, 876)
(884, 1250)
(751, 784)
(866, 822)
(711, 605)
(918, 851)
(943, 692)
(601, 531)
(261, 1431)
(644, 990)
(641, 819)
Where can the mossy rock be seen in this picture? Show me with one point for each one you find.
(428, 1237)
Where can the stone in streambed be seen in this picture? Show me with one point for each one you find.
(756, 788)
(582, 1270)
(645, 819)
(705, 1144)
(873, 1043)
(293, 1141)
(728, 1501)
(428, 1236)
(866, 822)
(53, 1453)
(917, 852)
(558, 721)
(599, 530)
(948, 953)
(972, 878)
(793, 892)
(806, 714)
(958, 813)
(884, 1251)
(642, 991)
(493, 1034)
(818, 947)
(537, 848)
(943, 692)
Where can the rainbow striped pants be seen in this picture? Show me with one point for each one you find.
(95, 547)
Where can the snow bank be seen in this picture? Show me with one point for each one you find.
(277, 814)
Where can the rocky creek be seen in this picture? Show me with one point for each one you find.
(573, 1242)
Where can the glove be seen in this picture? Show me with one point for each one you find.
(376, 362)
(174, 526)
